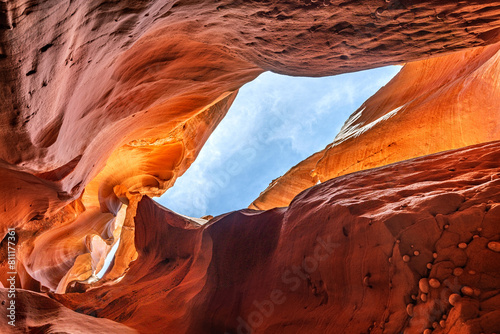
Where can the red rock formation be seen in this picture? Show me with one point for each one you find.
(115, 92)
(399, 248)
(37, 313)
(429, 106)
(105, 102)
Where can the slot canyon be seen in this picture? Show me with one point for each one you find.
(394, 227)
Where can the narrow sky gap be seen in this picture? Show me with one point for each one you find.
(275, 122)
(109, 258)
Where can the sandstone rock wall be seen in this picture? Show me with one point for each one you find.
(430, 106)
(104, 102)
(399, 248)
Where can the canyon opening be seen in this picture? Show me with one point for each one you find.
(364, 199)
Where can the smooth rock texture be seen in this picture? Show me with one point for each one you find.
(331, 262)
(36, 313)
(104, 103)
(430, 106)
(107, 101)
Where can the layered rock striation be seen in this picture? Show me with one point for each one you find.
(105, 103)
(430, 106)
(406, 247)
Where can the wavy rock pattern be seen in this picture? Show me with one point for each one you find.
(37, 313)
(105, 102)
(406, 247)
(430, 106)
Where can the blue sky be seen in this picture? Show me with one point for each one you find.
(275, 122)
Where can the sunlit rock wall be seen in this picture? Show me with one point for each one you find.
(402, 248)
(429, 106)
(103, 103)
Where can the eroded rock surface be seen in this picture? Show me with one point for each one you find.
(430, 106)
(36, 313)
(398, 248)
(107, 101)
(103, 103)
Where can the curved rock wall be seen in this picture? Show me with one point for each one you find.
(105, 102)
(430, 106)
(406, 247)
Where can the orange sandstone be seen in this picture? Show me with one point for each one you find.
(429, 106)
